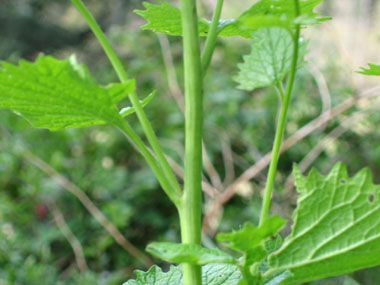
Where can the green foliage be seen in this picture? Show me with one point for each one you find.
(155, 276)
(283, 10)
(220, 274)
(336, 226)
(270, 59)
(80, 156)
(212, 274)
(189, 253)
(166, 19)
(250, 241)
(58, 94)
(372, 70)
(273, 13)
(249, 236)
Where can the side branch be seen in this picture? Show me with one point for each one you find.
(71, 238)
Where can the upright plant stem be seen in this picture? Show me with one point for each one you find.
(211, 37)
(190, 214)
(281, 125)
(117, 65)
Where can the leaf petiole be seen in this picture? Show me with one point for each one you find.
(173, 185)
(281, 124)
(209, 47)
(130, 110)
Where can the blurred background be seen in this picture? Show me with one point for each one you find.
(79, 206)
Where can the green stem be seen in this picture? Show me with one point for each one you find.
(211, 37)
(147, 127)
(117, 65)
(190, 213)
(281, 125)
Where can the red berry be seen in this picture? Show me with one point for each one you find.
(41, 211)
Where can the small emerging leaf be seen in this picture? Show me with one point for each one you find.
(271, 245)
(130, 110)
(270, 59)
(58, 94)
(249, 236)
(188, 253)
(372, 70)
(336, 226)
(250, 241)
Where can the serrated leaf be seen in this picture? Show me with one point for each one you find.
(250, 236)
(58, 94)
(155, 276)
(166, 19)
(188, 253)
(212, 274)
(245, 26)
(270, 59)
(277, 13)
(284, 9)
(336, 226)
(250, 241)
(372, 70)
(220, 274)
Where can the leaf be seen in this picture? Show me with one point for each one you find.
(336, 226)
(277, 13)
(282, 8)
(166, 19)
(189, 253)
(249, 236)
(372, 70)
(58, 94)
(130, 110)
(271, 245)
(250, 241)
(155, 276)
(212, 274)
(274, 243)
(270, 59)
(220, 274)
